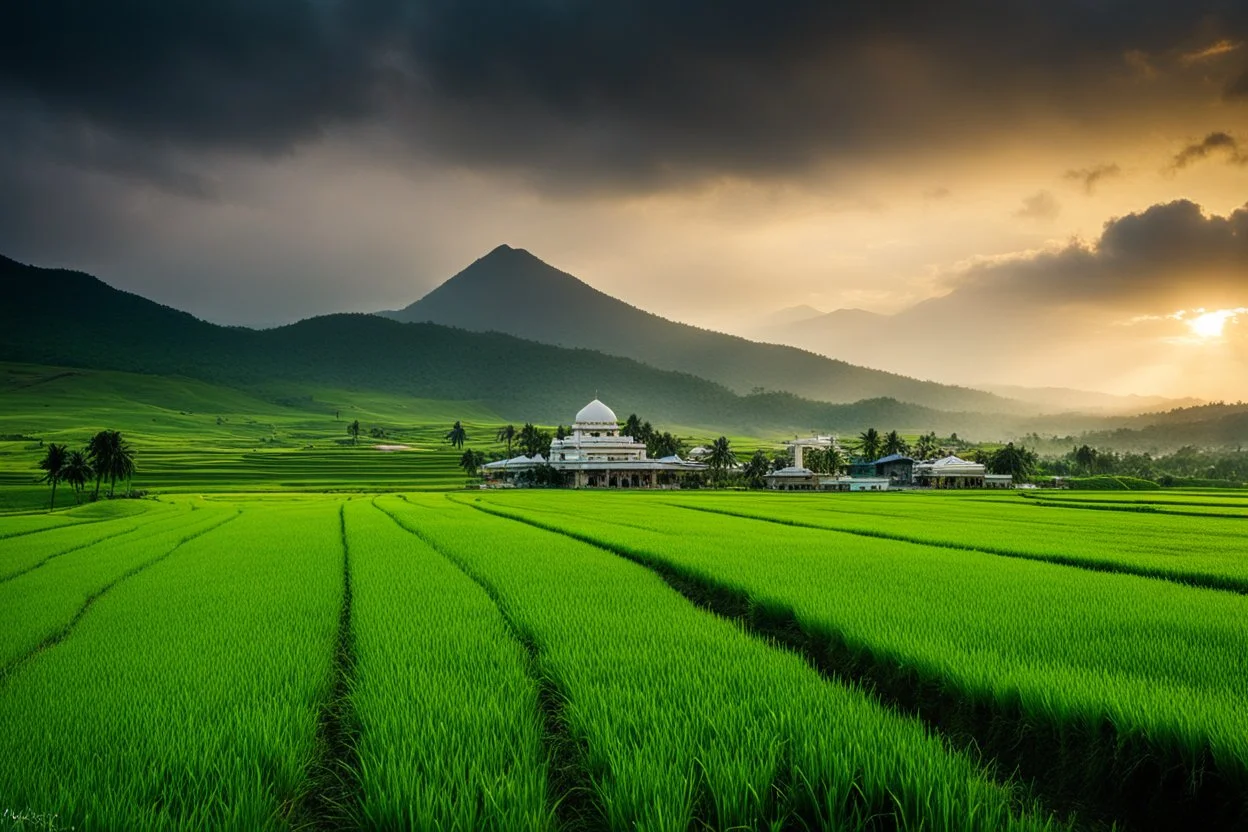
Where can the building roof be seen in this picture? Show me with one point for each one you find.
(892, 458)
(515, 462)
(596, 413)
(950, 466)
(792, 472)
(951, 460)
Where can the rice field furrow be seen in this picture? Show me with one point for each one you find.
(43, 559)
(449, 727)
(187, 699)
(331, 796)
(1126, 694)
(687, 720)
(55, 637)
(1203, 580)
(572, 797)
(1145, 508)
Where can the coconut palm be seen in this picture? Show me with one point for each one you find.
(100, 451)
(121, 466)
(471, 461)
(927, 446)
(833, 460)
(894, 444)
(77, 473)
(353, 430)
(721, 457)
(53, 464)
(506, 434)
(869, 443)
(756, 469)
(110, 458)
(457, 436)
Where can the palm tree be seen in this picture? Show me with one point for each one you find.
(534, 441)
(721, 456)
(927, 446)
(353, 430)
(77, 473)
(457, 436)
(471, 461)
(121, 466)
(100, 451)
(894, 444)
(110, 458)
(756, 469)
(507, 433)
(869, 443)
(833, 460)
(53, 464)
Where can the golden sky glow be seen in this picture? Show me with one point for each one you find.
(957, 169)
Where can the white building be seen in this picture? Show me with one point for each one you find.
(953, 472)
(597, 455)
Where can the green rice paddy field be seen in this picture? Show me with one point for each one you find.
(547, 660)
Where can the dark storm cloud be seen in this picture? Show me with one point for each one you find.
(1170, 253)
(1238, 86)
(629, 93)
(1215, 144)
(1089, 178)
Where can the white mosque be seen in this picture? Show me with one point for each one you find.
(597, 455)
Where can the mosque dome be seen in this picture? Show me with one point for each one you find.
(596, 413)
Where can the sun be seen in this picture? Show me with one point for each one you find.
(1211, 324)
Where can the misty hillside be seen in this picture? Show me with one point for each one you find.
(67, 318)
(509, 290)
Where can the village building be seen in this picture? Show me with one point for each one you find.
(797, 477)
(953, 472)
(793, 478)
(597, 455)
(896, 468)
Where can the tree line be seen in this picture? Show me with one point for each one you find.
(107, 456)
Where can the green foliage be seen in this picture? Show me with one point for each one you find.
(1110, 483)
(684, 719)
(993, 632)
(457, 745)
(894, 444)
(869, 444)
(1016, 461)
(111, 459)
(207, 667)
(457, 436)
(756, 469)
(501, 672)
(471, 461)
(507, 433)
(53, 465)
(721, 458)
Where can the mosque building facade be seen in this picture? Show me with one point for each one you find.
(597, 455)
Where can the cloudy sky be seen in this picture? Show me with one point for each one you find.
(1065, 179)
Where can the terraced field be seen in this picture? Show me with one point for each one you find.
(561, 660)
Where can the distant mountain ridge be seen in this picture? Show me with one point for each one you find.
(510, 290)
(66, 318)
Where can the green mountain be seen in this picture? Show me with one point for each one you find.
(511, 291)
(67, 318)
